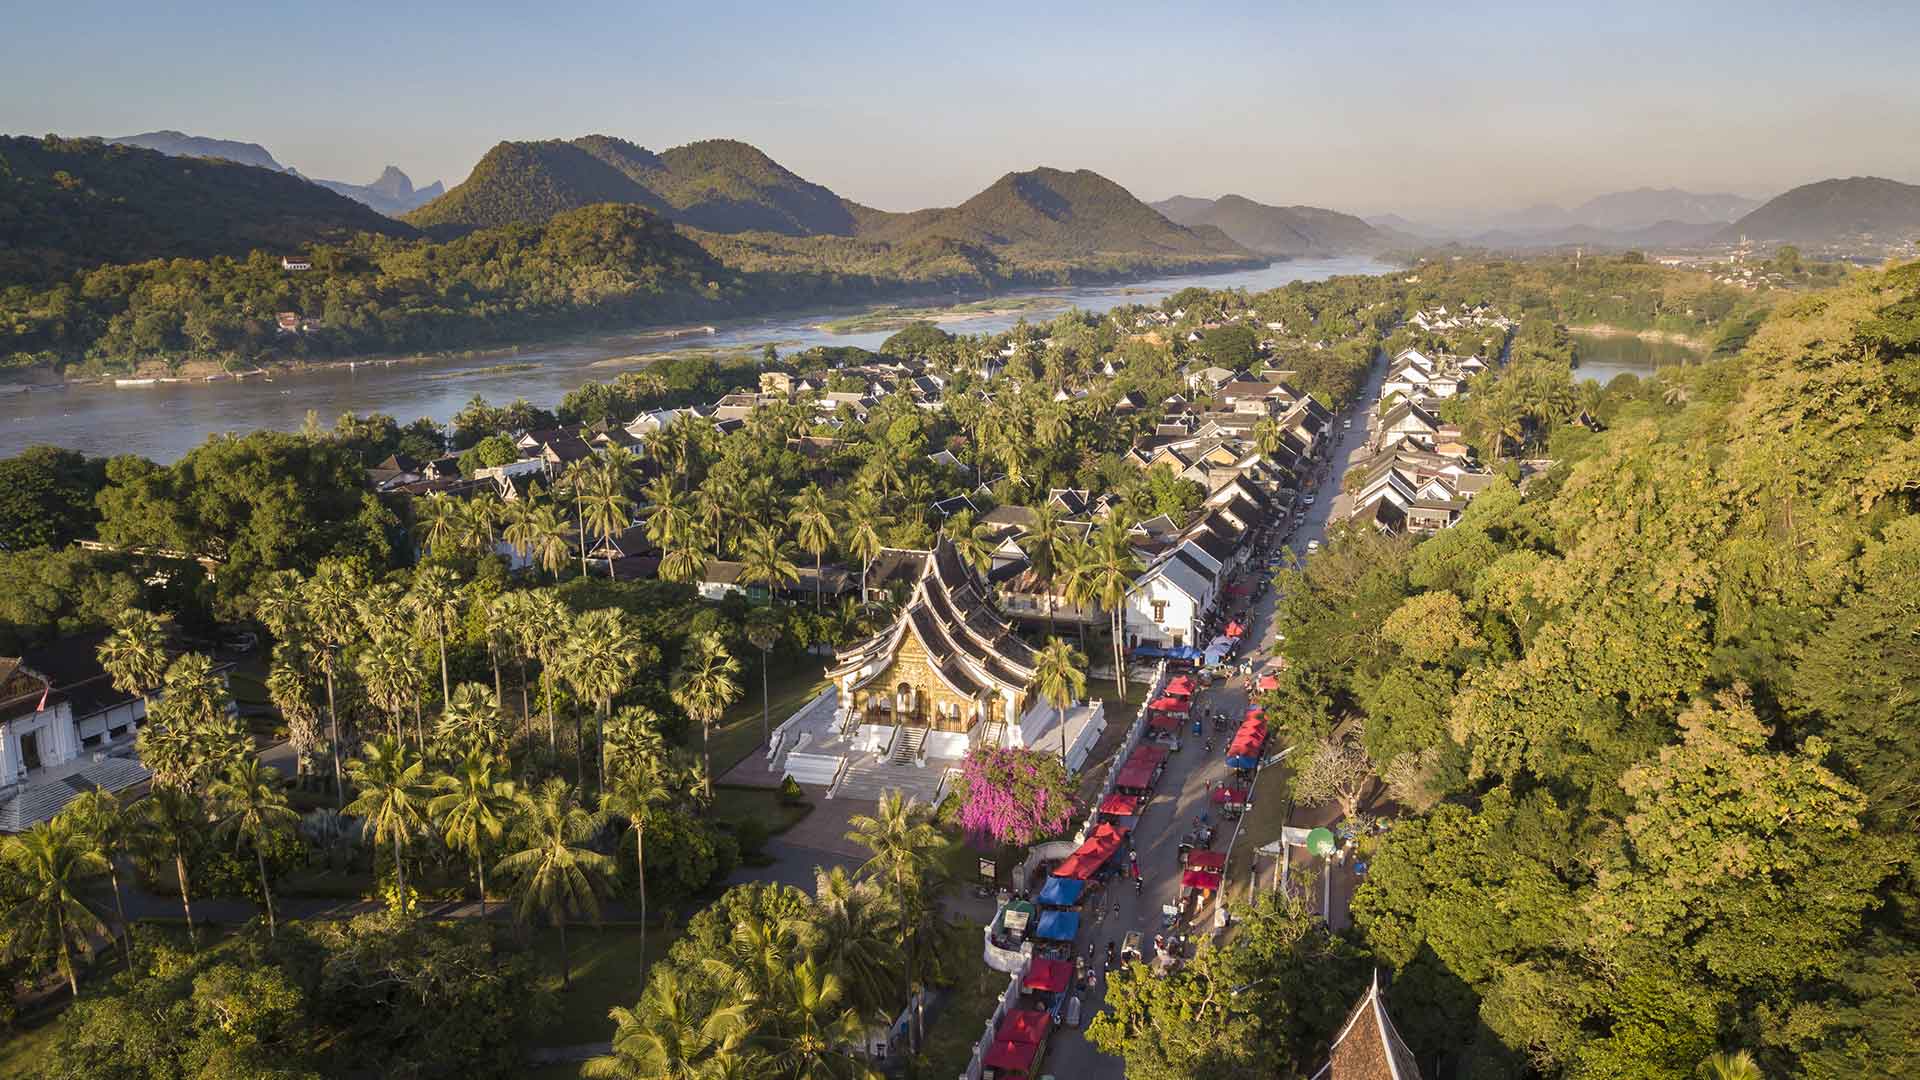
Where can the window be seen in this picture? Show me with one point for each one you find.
(1159, 611)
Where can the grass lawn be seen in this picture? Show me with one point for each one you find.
(1271, 808)
(964, 1009)
(737, 802)
(607, 970)
(738, 733)
(22, 1051)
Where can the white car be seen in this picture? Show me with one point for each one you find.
(1313, 546)
(1347, 423)
(1308, 498)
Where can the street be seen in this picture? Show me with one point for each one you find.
(1182, 795)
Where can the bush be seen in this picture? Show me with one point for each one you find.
(790, 793)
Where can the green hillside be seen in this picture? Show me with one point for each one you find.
(518, 182)
(73, 204)
(1277, 230)
(1833, 212)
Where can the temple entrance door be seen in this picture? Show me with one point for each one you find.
(30, 750)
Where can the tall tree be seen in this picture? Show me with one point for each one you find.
(763, 632)
(638, 789)
(251, 808)
(168, 823)
(391, 792)
(599, 661)
(435, 600)
(471, 808)
(1060, 677)
(674, 1033)
(903, 843)
(99, 818)
(135, 654)
(709, 682)
(554, 874)
(329, 599)
(812, 520)
(52, 862)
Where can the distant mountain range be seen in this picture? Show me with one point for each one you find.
(1278, 230)
(728, 187)
(1622, 219)
(72, 204)
(1860, 211)
(392, 194)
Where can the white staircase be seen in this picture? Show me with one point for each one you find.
(907, 742)
(991, 733)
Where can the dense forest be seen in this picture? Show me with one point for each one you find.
(1650, 721)
(68, 205)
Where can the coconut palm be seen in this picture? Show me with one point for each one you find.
(861, 535)
(329, 598)
(539, 535)
(135, 654)
(505, 613)
(471, 809)
(51, 862)
(1110, 570)
(436, 519)
(99, 818)
(598, 662)
(674, 1033)
(685, 558)
(166, 824)
(903, 843)
(604, 504)
(391, 793)
(972, 540)
(435, 600)
(1043, 542)
(763, 561)
(811, 1022)
(709, 682)
(252, 808)
(854, 932)
(554, 874)
(812, 521)
(1059, 675)
(763, 632)
(638, 789)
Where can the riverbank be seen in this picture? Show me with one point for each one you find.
(1662, 337)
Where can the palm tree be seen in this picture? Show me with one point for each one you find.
(542, 631)
(764, 562)
(391, 793)
(436, 519)
(539, 535)
(763, 632)
(1738, 1065)
(135, 654)
(708, 684)
(674, 1033)
(671, 511)
(972, 540)
(253, 808)
(599, 662)
(813, 1022)
(1045, 537)
(638, 790)
(604, 501)
(51, 861)
(862, 535)
(472, 809)
(1111, 572)
(392, 680)
(903, 843)
(555, 874)
(685, 557)
(435, 601)
(471, 719)
(852, 931)
(168, 821)
(812, 520)
(329, 602)
(1059, 675)
(99, 818)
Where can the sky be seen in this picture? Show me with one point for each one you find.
(1420, 109)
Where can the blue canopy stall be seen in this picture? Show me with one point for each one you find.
(1061, 892)
(1057, 926)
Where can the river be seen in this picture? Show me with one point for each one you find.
(1604, 356)
(163, 422)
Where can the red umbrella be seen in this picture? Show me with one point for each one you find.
(1229, 794)
(1234, 629)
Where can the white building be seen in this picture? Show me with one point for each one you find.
(1169, 601)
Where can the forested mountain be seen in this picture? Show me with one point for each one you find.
(73, 204)
(392, 193)
(719, 185)
(1832, 211)
(181, 144)
(1646, 206)
(1277, 230)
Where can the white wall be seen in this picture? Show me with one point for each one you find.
(54, 737)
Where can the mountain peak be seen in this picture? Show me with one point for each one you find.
(1276, 230)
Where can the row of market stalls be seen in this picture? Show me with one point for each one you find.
(1019, 1042)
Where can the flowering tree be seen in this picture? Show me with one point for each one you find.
(1014, 796)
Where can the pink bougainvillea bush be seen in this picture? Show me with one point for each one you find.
(1014, 796)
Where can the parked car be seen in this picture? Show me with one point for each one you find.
(1308, 498)
(1073, 1011)
(1313, 545)
(1347, 423)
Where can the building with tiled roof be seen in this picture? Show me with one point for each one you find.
(1367, 1046)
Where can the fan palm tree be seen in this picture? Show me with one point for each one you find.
(471, 719)
(638, 789)
(135, 654)
(903, 843)
(1738, 1065)
(434, 600)
(329, 600)
(391, 793)
(555, 875)
(674, 1033)
(542, 630)
(392, 680)
(471, 810)
(599, 662)
(812, 521)
(51, 861)
(252, 808)
(166, 824)
(436, 519)
(539, 535)
(99, 818)
(709, 682)
(1059, 674)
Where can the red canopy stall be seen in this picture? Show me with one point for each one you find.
(1026, 1025)
(1207, 860)
(1136, 775)
(1091, 855)
(1120, 805)
(1149, 755)
(1048, 976)
(1008, 1056)
(1208, 880)
(1174, 705)
(1164, 721)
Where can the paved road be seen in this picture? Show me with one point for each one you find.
(1183, 791)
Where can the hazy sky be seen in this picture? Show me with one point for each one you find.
(1358, 106)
